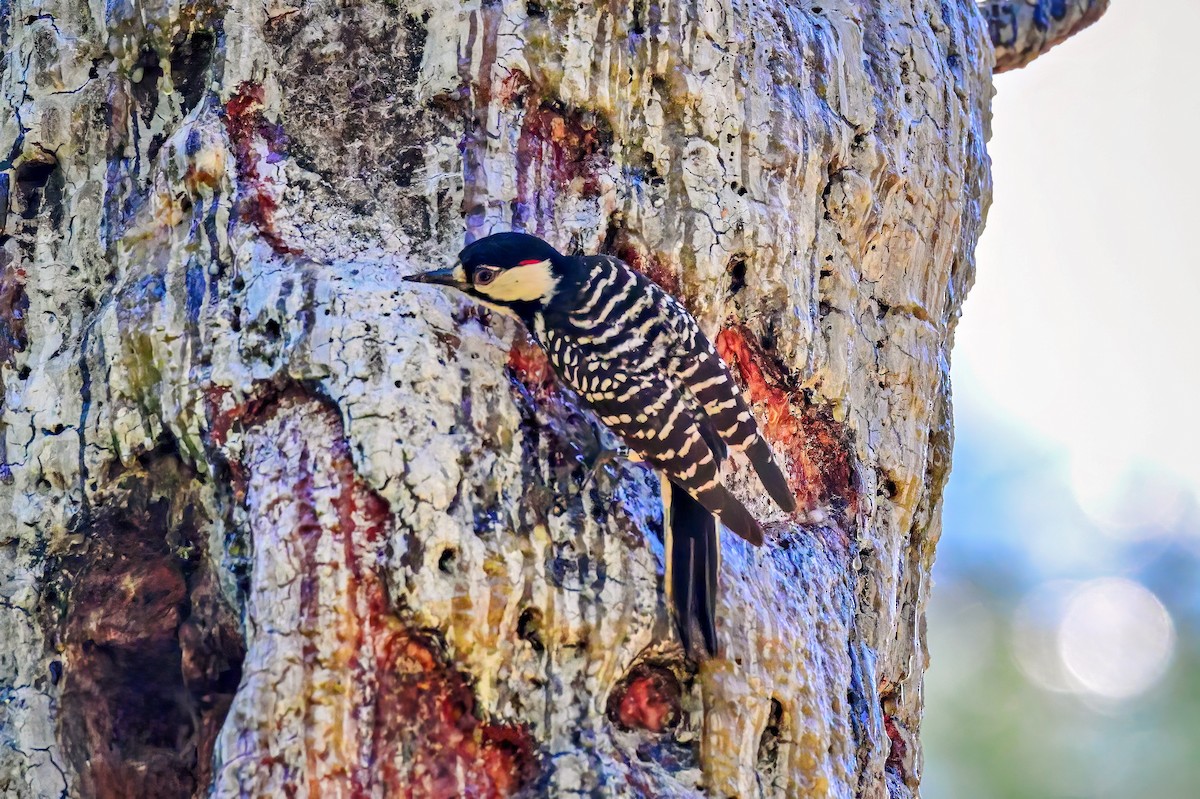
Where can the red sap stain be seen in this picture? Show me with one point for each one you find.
(899, 748)
(425, 736)
(247, 127)
(817, 445)
(648, 699)
(558, 150)
(528, 363)
(513, 88)
(14, 304)
(427, 709)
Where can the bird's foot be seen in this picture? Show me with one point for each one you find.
(608, 457)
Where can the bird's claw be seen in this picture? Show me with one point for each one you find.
(603, 459)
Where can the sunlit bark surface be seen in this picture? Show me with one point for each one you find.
(276, 524)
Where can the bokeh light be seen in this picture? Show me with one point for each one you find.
(1110, 638)
(1128, 503)
(1036, 623)
(1116, 639)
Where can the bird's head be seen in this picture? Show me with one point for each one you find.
(510, 270)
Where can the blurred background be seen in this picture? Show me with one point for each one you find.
(1065, 622)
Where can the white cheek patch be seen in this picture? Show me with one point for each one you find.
(526, 283)
(460, 274)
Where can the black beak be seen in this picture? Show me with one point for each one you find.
(450, 276)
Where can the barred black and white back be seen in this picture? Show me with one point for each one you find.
(640, 360)
(636, 355)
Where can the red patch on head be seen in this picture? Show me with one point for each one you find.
(528, 262)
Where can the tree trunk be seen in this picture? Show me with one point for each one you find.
(278, 524)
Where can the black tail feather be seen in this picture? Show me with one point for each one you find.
(733, 514)
(708, 569)
(763, 459)
(693, 561)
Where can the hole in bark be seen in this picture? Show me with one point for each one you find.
(529, 628)
(448, 560)
(770, 335)
(648, 699)
(34, 174)
(737, 274)
(35, 186)
(889, 488)
(151, 652)
(768, 744)
(190, 59)
(637, 25)
(534, 10)
(147, 72)
(272, 330)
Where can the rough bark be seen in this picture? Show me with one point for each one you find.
(278, 525)
(1022, 30)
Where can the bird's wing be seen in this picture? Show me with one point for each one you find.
(696, 365)
(655, 420)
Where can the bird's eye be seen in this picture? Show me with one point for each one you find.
(485, 275)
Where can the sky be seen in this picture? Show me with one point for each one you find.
(1066, 585)
(1079, 336)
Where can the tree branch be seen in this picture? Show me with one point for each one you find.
(1022, 30)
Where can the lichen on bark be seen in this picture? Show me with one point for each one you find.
(338, 528)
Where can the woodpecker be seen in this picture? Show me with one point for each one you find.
(635, 355)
